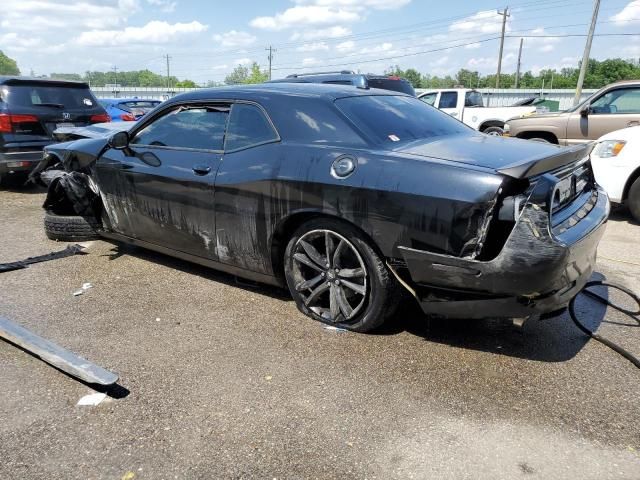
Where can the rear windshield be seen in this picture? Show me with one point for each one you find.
(391, 120)
(144, 105)
(53, 96)
(393, 84)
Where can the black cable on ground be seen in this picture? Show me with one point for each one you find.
(632, 313)
(67, 252)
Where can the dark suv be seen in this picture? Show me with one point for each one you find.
(31, 109)
(347, 77)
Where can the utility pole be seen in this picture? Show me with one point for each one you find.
(519, 59)
(168, 80)
(505, 14)
(115, 81)
(587, 51)
(271, 51)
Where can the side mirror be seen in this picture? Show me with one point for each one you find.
(585, 111)
(119, 140)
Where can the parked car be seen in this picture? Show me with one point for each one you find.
(344, 195)
(467, 106)
(347, 77)
(616, 165)
(128, 109)
(30, 110)
(611, 108)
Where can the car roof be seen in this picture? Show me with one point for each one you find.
(276, 89)
(16, 79)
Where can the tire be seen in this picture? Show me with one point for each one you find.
(539, 139)
(494, 131)
(633, 200)
(71, 228)
(363, 270)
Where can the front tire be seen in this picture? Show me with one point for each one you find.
(336, 277)
(633, 200)
(71, 228)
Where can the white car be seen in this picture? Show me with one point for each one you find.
(616, 166)
(467, 105)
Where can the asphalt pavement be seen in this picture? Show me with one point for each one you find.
(224, 379)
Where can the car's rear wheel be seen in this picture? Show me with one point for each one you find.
(336, 277)
(71, 228)
(494, 131)
(633, 200)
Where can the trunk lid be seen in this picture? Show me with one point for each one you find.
(508, 156)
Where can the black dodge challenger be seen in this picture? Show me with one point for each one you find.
(347, 196)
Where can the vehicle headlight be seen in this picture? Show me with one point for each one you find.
(609, 148)
(506, 129)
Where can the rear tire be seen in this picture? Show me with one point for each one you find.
(633, 200)
(71, 228)
(494, 131)
(356, 275)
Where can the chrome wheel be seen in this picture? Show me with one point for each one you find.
(329, 275)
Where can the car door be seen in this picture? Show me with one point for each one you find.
(244, 189)
(161, 188)
(614, 109)
(448, 103)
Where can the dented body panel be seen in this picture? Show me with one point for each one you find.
(433, 208)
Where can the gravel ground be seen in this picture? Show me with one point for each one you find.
(228, 380)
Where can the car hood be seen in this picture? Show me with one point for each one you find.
(508, 156)
(97, 130)
(539, 115)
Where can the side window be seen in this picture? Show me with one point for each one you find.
(248, 126)
(448, 100)
(623, 100)
(186, 127)
(429, 98)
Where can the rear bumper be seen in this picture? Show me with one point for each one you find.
(16, 162)
(539, 270)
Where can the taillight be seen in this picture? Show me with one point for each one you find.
(100, 118)
(127, 117)
(7, 121)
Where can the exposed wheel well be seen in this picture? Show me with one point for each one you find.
(548, 136)
(491, 123)
(632, 178)
(286, 229)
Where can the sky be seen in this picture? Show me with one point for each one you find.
(207, 39)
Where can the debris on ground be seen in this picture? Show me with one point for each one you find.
(84, 288)
(20, 264)
(335, 329)
(92, 400)
(55, 355)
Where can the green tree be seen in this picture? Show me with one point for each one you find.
(256, 75)
(186, 84)
(8, 66)
(244, 74)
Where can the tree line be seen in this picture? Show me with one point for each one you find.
(599, 73)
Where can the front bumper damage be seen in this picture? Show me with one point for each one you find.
(545, 262)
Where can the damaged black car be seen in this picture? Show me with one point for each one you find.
(347, 196)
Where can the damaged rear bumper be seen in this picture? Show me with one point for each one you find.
(544, 263)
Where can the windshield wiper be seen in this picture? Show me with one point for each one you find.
(56, 105)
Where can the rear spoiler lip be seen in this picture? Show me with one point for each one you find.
(536, 166)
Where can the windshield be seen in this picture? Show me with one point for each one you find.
(473, 99)
(393, 84)
(391, 120)
(64, 97)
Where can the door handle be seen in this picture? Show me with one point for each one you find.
(201, 169)
(633, 123)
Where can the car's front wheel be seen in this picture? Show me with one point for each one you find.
(336, 277)
(633, 200)
(71, 228)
